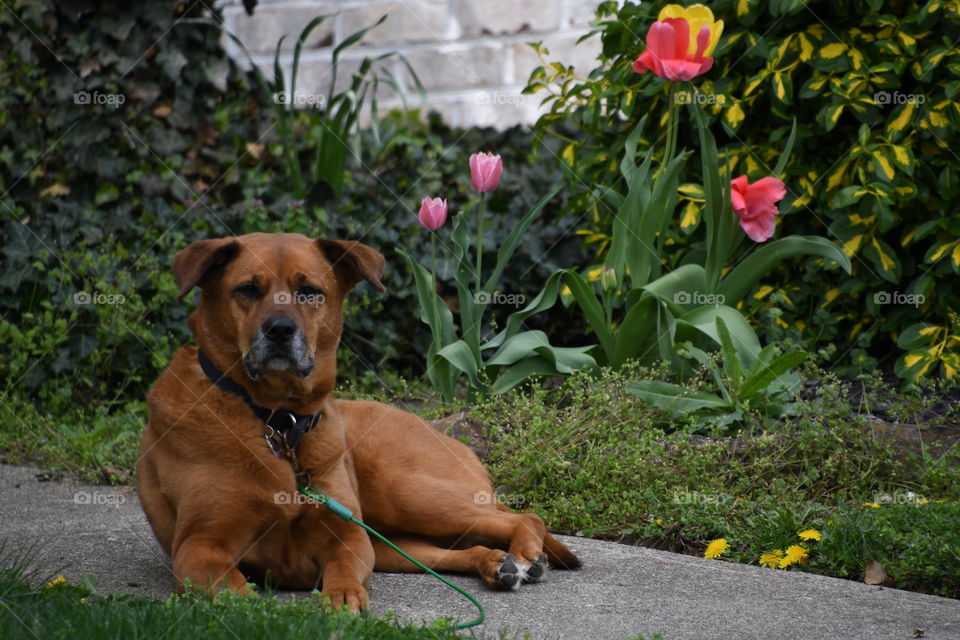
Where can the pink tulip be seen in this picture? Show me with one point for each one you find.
(755, 205)
(485, 171)
(667, 51)
(433, 213)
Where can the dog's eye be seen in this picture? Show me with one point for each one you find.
(249, 291)
(309, 291)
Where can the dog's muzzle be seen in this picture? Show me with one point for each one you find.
(279, 345)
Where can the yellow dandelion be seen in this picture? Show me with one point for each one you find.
(56, 582)
(872, 505)
(716, 548)
(659, 522)
(795, 554)
(809, 534)
(771, 560)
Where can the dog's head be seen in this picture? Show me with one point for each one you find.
(273, 301)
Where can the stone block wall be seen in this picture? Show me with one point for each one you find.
(471, 56)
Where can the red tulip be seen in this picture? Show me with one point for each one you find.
(485, 171)
(433, 213)
(667, 54)
(755, 205)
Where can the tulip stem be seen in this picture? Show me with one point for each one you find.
(434, 308)
(480, 240)
(673, 120)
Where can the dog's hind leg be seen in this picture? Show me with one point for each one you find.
(455, 515)
(497, 568)
(557, 553)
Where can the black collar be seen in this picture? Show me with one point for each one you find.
(291, 425)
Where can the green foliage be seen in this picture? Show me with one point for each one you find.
(515, 356)
(98, 444)
(693, 300)
(764, 385)
(104, 157)
(595, 460)
(872, 89)
(331, 122)
(66, 610)
(913, 538)
(98, 196)
(379, 204)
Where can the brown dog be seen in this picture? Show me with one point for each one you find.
(235, 427)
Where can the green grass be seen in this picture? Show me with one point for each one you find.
(99, 445)
(53, 611)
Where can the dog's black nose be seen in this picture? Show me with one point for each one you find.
(279, 329)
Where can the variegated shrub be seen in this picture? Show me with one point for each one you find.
(873, 86)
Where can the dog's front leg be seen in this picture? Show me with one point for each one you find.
(342, 549)
(206, 552)
(346, 573)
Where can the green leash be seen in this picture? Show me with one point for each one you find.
(341, 511)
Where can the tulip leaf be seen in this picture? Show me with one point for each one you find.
(675, 399)
(654, 218)
(510, 244)
(460, 356)
(543, 301)
(757, 381)
(513, 375)
(587, 301)
(553, 360)
(765, 259)
(637, 333)
(707, 363)
(715, 206)
(470, 312)
(679, 286)
(625, 222)
(428, 300)
(518, 347)
(731, 362)
(704, 320)
(534, 347)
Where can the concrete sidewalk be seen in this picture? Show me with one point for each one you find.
(621, 591)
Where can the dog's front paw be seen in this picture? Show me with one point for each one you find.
(353, 598)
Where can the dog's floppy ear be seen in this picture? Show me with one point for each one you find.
(353, 262)
(201, 260)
